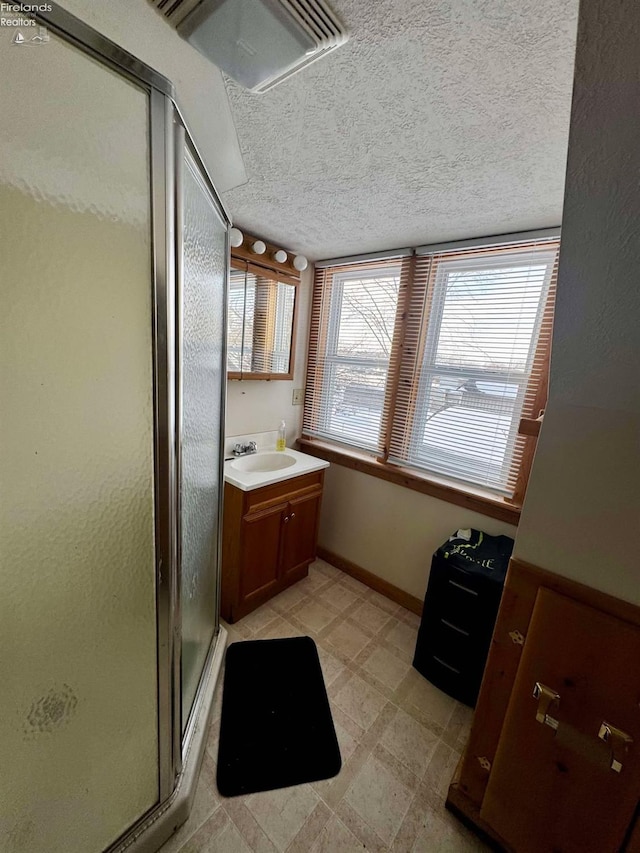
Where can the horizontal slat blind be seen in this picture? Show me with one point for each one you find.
(353, 324)
(474, 360)
(260, 321)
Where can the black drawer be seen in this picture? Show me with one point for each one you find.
(463, 683)
(442, 636)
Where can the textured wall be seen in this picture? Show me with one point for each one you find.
(583, 504)
(436, 121)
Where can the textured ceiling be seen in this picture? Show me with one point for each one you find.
(438, 120)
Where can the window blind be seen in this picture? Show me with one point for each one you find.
(260, 321)
(475, 351)
(353, 351)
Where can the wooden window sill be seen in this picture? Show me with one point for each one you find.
(409, 478)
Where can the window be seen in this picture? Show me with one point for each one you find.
(353, 322)
(431, 361)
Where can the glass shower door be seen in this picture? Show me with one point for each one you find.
(201, 393)
(78, 729)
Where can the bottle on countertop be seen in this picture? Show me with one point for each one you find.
(281, 441)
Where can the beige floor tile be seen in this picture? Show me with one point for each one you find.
(359, 588)
(410, 618)
(327, 569)
(438, 836)
(458, 728)
(279, 629)
(370, 616)
(205, 803)
(314, 615)
(204, 840)
(338, 596)
(331, 666)
(314, 581)
(386, 667)
(336, 838)
(248, 827)
(410, 742)
(383, 602)
(360, 701)
(311, 829)
(259, 619)
(380, 799)
(287, 599)
(441, 769)
(346, 742)
(347, 639)
(403, 637)
(282, 813)
(424, 701)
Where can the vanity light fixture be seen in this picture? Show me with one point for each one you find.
(280, 256)
(259, 248)
(300, 263)
(236, 237)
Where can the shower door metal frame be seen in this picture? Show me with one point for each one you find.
(166, 249)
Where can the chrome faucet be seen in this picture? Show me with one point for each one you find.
(245, 449)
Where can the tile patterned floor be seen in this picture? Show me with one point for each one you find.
(400, 739)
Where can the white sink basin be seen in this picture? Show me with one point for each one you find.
(264, 462)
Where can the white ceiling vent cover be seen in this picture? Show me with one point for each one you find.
(257, 42)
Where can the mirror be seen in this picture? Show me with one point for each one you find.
(260, 326)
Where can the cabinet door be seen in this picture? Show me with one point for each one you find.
(553, 790)
(301, 532)
(260, 533)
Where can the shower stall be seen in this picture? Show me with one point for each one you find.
(113, 286)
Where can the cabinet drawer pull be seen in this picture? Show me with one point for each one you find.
(463, 588)
(547, 699)
(619, 742)
(455, 627)
(448, 665)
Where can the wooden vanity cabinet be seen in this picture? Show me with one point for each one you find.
(270, 537)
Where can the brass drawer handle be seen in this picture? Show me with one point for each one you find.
(619, 742)
(547, 699)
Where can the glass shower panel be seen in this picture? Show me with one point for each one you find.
(203, 373)
(78, 728)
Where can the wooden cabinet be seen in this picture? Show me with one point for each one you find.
(270, 537)
(540, 773)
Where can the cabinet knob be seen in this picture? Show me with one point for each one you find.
(286, 519)
(292, 516)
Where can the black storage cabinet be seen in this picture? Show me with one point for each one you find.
(460, 609)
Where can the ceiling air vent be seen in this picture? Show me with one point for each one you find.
(257, 42)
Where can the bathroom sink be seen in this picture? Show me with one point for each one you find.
(264, 462)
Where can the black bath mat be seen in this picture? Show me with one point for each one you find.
(276, 728)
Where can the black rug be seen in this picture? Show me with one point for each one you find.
(276, 728)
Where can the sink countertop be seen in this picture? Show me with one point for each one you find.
(248, 480)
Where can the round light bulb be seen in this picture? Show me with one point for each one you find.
(280, 256)
(259, 248)
(300, 262)
(236, 237)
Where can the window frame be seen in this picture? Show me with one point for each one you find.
(379, 461)
(331, 358)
